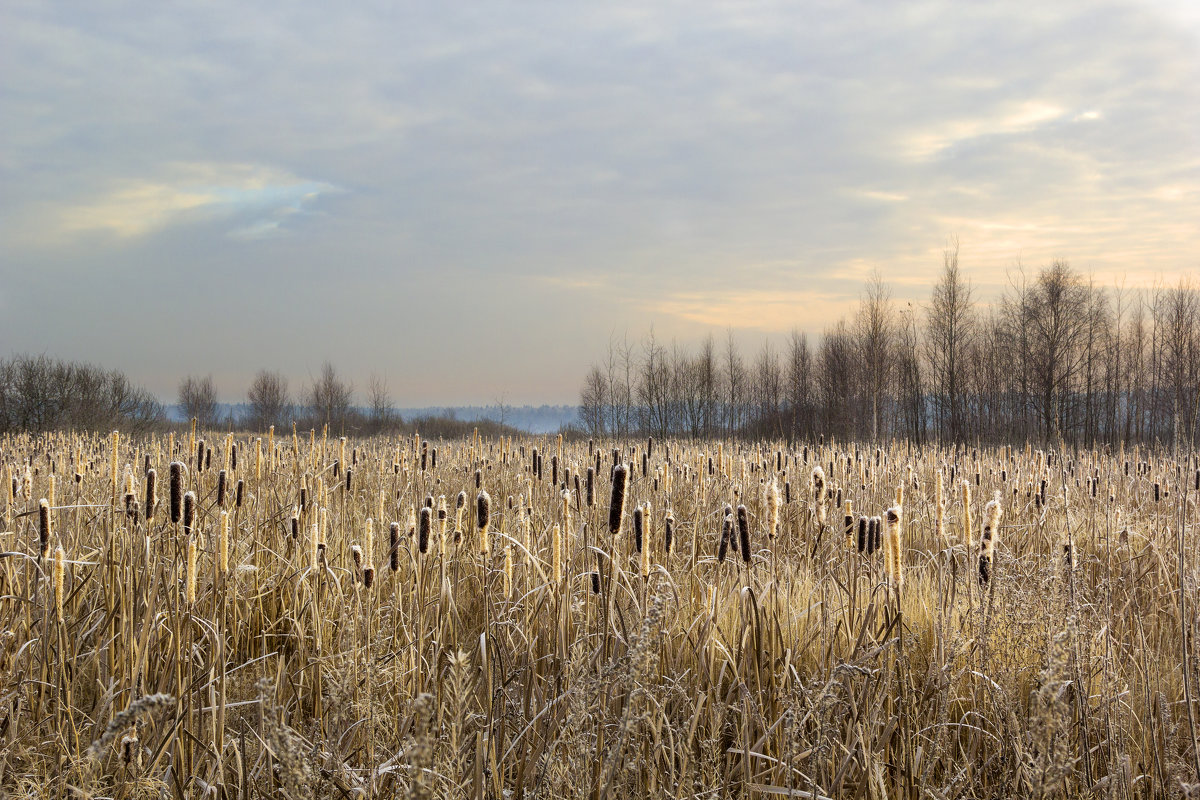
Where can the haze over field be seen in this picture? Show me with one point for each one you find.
(472, 199)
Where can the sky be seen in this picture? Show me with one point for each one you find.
(471, 199)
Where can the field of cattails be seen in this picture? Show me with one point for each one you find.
(300, 615)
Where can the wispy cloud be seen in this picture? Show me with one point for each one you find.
(1010, 119)
(194, 191)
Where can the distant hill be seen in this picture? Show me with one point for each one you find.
(532, 419)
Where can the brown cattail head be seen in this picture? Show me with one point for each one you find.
(189, 512)
(394, 546)
(357, 556)
(591, 488)
(43, 527)
(151, 495)
(222, 481)
(863, 533)
(176, 487)
(668, 533)
(239, 493)
(726, 535)
(368, 577)
(616, 506)
(743, 524)
(423, 528)
(483, 516)
(638, 526)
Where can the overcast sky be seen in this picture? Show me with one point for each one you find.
(471, 198)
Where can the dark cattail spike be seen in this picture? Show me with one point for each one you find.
(151, 494)
(221, 488)
(638, 515)
(176, 491)
(726, 535)
(743, 524)
(394, 546)
(616, 506)
(423, 528)
(189, 512)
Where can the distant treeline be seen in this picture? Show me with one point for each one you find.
(1055, 356)
(38, 393)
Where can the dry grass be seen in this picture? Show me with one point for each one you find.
(250, 658)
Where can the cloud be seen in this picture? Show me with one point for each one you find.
(194, 191)
(1009, 119)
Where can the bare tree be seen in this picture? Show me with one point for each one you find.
(269, 401)
(329, 398)
(198, 400)
(949, 336)
(593, 400)
(383, 411)
(798, 378)
(874, 339)
(735, 385)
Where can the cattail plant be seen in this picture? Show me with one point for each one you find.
(968, 536)
(668, 532)
(190, 578)
(60, 569)
(423, 529)
(743, 525)
(895, 554)
(991, 531)
(43, 528)
(638, 515)
(616, 506)
(483, 510)
(940, 500)
(556, 565)
(221, 488)
(726, 535)
(394, 546)
(189, 512)
(863, 535)
(223, 543)
(773, 506)
(176, 491)
(151, 495)
(460, 503)
(818, 494)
